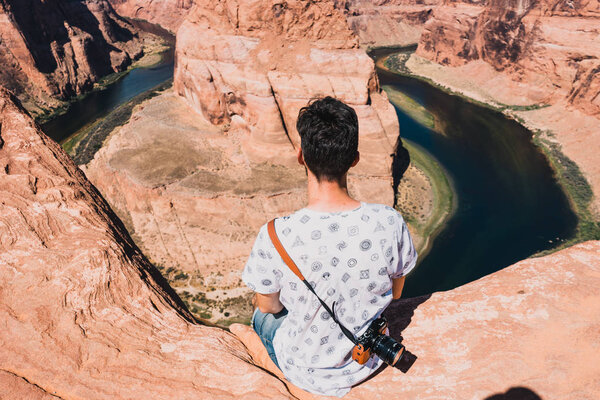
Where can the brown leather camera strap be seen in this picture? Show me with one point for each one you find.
(282, 252)
(292, 265)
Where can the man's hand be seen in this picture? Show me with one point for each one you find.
(267, 303)
(397, 286)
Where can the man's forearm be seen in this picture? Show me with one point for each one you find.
(267, 303)
(397, 286)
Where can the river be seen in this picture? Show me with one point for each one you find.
(509, 205)
(100, 103)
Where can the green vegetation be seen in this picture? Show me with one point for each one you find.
(443, 195)
(410, 107)
(576, 187)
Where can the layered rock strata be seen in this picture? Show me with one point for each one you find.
(539, 61)
(387, 22)
(57, 49)
(550, 48)
(167, 13)
(260, 62)
(84, 314)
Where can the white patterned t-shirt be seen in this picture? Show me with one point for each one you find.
(348, 257)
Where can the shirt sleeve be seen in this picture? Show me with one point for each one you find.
(262, 273)
(404, 253)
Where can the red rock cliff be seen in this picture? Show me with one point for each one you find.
(258, 62)
(550, 46)
(387, 22)
(167, 13)
(58, 49)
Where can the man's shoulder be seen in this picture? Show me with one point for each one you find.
(384, 210)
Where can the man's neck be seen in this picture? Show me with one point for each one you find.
(329, 196)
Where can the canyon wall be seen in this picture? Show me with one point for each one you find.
(259, 62)
(53, 50)
(85, 315)
(550, 47)
(167, 13)
(387, 22)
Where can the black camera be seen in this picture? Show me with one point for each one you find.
(375, 340)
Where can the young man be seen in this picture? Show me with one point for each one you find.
(354, 253)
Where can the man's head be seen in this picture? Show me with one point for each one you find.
(328, 131)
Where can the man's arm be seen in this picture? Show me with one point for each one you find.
(397, 286)
(267, 303)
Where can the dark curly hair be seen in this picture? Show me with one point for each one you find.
(328, 131)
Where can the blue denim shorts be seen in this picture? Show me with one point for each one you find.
(265, 325)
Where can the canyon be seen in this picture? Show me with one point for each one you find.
(112, 271)
(54, 50)
(383, 23)
(85, 314)
(214, 158)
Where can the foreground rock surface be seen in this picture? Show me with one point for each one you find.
(84, 315)
(57, 49)
(532, 326)
(167, 13)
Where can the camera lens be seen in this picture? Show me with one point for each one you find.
(387, 349)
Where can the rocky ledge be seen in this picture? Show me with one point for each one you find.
(85, 315)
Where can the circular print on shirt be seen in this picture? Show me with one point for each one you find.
(352, 262)
(365, 245)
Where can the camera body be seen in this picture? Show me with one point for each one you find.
(374, 340)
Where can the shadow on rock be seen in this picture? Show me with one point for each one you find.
(400, 164)
(515, 393)
(399, 314)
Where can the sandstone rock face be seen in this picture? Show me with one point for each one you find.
(260, 61)
(387, 22)
(551, 48)
(167, 13)
(58, 49)
(84, 315)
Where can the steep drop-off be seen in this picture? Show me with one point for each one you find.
(167, 13)
(54, 50)
(84, 314)
(186, 171)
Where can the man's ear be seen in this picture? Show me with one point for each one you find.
(356, 160)
(300, 156)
